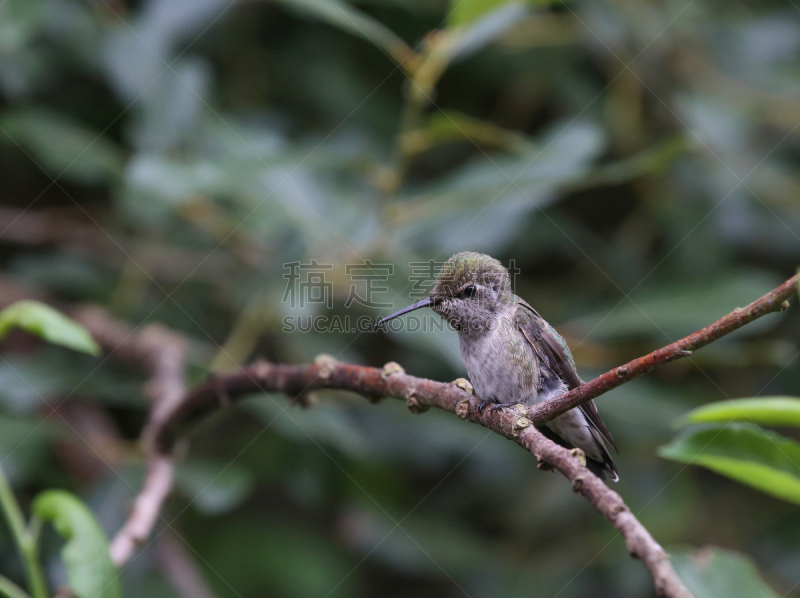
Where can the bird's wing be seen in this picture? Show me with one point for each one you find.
(552, 349)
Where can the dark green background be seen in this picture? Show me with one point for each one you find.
(171, 156)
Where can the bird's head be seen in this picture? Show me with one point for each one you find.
(471, 291)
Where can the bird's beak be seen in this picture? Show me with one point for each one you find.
(427, 302)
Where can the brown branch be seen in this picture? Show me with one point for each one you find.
(174, 409)
(515, 424)
(327, 373)
(420, 394)
(776, 300)
(639, 542)
(146, 509)
(161, 354)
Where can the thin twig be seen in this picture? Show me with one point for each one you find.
(776, 300)
(146, 510)
(161, 353)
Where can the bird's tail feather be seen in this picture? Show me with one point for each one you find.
(601, 469)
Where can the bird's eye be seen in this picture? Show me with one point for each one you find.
(469, 291)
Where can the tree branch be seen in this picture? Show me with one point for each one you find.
(327, 373)
(161, 353)
(420, 394)
(174, 408)
(776, 300)
(639, 542)
(515, 424)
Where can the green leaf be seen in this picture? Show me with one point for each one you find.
(466, 12)
(90, 571)
(20, 21)
(744, 452)
(768, 411)
(63, 147)
(49, 324)
(511, 185)
(717, 573)
(445, 126)
(10, 589)
(345, 17)
(468, 39)
(654, 159)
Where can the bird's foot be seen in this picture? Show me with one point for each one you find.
(482, 405)
(464, 385)
(579, 455)
(500, 406)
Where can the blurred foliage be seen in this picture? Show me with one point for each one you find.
(769, 411)
(167, 158)
(718, 573)
(90, 572)
(85, 555)
(744, 452)
(48, 323)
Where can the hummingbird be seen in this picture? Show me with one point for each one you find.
(512, 355)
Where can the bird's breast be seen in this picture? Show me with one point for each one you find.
(501, 365)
